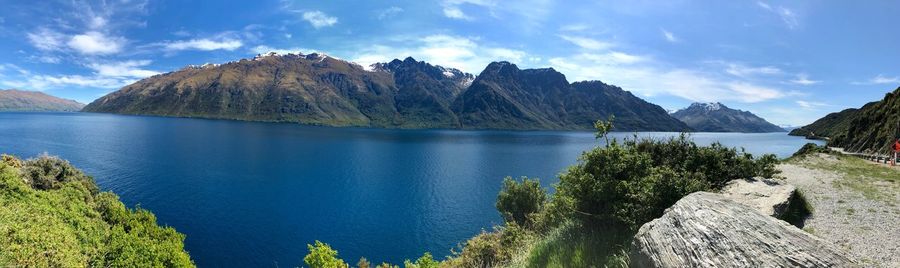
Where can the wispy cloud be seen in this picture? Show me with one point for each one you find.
(879, 80)
(46, 39)
(319, 19)
(389, 12)
(741, 70)
(123, 69)
(204, 44)
(669, 36)
(586, 43)
(453, 8)
(803, 79)
(262, 49)
(788, 16)
(810, 105)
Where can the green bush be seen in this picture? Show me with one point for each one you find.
(321, 255)
(811, 148)
(50, 172)
(52, 215)
(492, 249)
(517, 202)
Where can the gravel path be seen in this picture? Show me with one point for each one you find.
(869, 229)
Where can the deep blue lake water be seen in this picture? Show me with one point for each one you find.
(254, 194)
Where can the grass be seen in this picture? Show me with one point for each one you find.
(875, 182)
(799, 210)
(572, 245)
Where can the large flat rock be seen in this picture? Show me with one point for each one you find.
(711, 230)
(769, 196)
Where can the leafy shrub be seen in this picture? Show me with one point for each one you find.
(321, 255)
(56, 218)
(426, 261)
(50, 172)
(518, 201)
(492, 249)
(811, 148)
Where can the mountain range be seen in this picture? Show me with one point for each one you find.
(322, 90)
(20, 100)
(716, 117)
(873, 127)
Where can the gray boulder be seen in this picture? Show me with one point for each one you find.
(771, 197)
(710, 230)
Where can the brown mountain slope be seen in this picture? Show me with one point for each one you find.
(20, 100)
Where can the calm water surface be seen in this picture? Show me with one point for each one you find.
(254, 194)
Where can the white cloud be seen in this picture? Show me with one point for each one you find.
(803, 79)
(44, 82)
(97, 22)
(389, 12)
(463, 53)
(586, 43)
(46, 39)
(810, 104)
(574, 27)
(96, 43)
(648, 77)
(741, 70)
(788, 16)
(263, 49)
(669, 36)
(879, 79)
(204, 44)
(319, 19)
(128, 69)
(453, 8)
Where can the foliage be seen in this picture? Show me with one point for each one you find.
(426, 261)
(518, 201)
(50, 172)
(363, 263)
(572, 245)
(492, 249)
(798, 210)
(51, 215)
(811, 148)
(321, 255)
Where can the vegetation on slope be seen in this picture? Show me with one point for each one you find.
(831, 125)
(872, 128)
(601, 202)
(53, 215)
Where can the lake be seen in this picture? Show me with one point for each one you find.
(254, 194)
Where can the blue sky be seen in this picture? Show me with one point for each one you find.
(788, 61)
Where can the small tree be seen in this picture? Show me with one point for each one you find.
(518, 201)
(321, 255)
(426, 261)
(363, 263)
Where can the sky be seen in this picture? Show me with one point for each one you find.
(790, 62)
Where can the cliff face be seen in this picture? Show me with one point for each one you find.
(20, 100)
(318, 89)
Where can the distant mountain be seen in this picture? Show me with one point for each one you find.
(871, 128)
(20, 100)
(716, 117)
(318, 89)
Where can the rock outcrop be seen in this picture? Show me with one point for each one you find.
(769, 197)
(711, 230)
